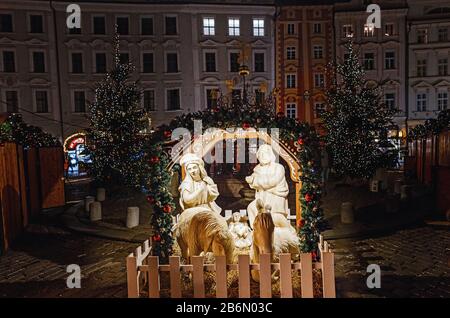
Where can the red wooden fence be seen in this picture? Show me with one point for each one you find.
(30, 180)
(430, 160)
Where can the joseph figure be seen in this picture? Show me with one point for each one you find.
(269, 181)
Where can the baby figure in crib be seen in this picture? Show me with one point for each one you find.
(240, 231)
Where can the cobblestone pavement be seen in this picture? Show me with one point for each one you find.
(414, 263)
(36, 266)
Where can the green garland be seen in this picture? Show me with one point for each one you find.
(14, 129)
(431, 126)
(296, 134)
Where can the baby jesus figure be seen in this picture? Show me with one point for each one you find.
(242, 234)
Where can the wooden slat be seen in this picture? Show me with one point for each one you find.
(175, 283)
(265, 276)
(306, 275)
(52, 177)
(132, 277)
(329, 288)
(285, 276)
(198, 281)
(33, 184)
(23, 186)
(244, 276)
(153, 277)
(221, 277)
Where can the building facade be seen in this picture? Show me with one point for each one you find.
(428, 55)
(182, 52)
(382, 50)
(304, 48)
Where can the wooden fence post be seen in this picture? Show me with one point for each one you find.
(132, 276)
(221, 277)
(285, 276)
(307, 278)
(175, 284)
(244, 276)
(197, 274)
(328, 279)
(265, 276)
(153, 276)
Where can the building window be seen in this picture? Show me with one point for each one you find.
(290, 53)
(259, 96)
(318, 52)
(369, 61)
(171, 25)
(233, 27)
(100, 63)
(389, 100)
(122, 25)
(258, 27)
(36, 23)
(259, 62)
(422, 67)
(38, 62)
(99, 25)
(389, 60)
(443, 67)
(12, 101)
(317, 28)
(422, 36)
(442, 100)
(6, 24)
(235, 96)
(389, 29)
(79, 101)
(124, 58)
(319, 80)
(210, 62)
(74, 31)
(421, 102)
(146, 26)
(369, 30)
(291, 110)
(290, 28)
(149, 100)
(147, 63)
(443, 34)
(77, 63)
(234, 62)
(319, 108)
(291, 81)
(347, 30)
(9, 62)
(172, 62)
(41, 101)
(173, 99)
(211, 98)
(209, 26)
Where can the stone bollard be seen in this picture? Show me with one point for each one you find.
(87, 201)
(405, 192)
(132, 217)
(347, 213)
(397, 186)
(95, 211)
(101, 194)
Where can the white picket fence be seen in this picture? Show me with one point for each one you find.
(143, 269)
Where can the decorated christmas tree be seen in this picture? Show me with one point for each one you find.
(356, 122)
(115, 142)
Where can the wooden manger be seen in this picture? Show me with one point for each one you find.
(144, 274)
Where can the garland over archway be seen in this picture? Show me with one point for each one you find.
(295, 133)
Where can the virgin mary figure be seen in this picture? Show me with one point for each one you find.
(198, 192)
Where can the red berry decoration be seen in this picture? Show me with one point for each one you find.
(300, 223)
(154, 159)
(246, 125)
(308, 197)
(314, 255)
(167, 208)
(150, 199)
(300, 141)
(167, 134)
(156, 238)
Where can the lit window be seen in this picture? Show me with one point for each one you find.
(233, 27)
(290, 53)
(291, 81)
(347, 30)
(209, 26)
(389, 100)
(291, 110)
(258, 27)
(291, 29)
(389, 29)
(369, 29)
